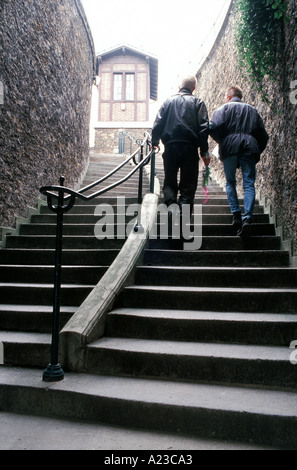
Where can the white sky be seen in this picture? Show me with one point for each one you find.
(170, 30)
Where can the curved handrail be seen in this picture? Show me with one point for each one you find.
(47, 190)
(54, 371)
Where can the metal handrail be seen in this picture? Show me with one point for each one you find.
(63, 204)
(46, 190)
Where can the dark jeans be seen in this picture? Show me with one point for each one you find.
(183, 156)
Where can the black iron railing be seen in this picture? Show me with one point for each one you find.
(61, 200)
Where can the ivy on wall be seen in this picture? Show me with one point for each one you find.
(258, 33)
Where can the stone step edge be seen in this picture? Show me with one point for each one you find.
(199, 409)
(277, 354)
(256, 290)
(203, 315)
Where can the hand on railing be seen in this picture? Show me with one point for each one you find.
(154, 148)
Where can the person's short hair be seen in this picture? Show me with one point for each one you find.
(189, 82)
(235, 91)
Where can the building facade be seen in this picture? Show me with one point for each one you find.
(127, 84)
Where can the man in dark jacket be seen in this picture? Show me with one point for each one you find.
(182, 125)
(239, 130)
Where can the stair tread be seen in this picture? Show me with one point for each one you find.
(34, 308)
(256, 269)
(157, 391)
(211, 289)
(205, 315)
(52, 250)
(44, 286)
(50, 267)
(25, 337)
(196, 349)
(190, 252)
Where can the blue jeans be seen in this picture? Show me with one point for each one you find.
(248, 167)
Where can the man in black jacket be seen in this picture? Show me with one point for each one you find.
(182, 124)
(239, 130)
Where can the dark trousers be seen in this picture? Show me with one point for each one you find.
(184, 157)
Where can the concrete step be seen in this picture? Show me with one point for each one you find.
(45, 274)
(120, 208)
(208, 230)
(220, 299)
(227, 219)
(120, 191)
(88, 229)
(27, 432)
(219, 277)
(82, 230)
(203, 326)
(28, 256)
(42, 294)
(92, 219)
(74, 218)
(197, 361)
(106, 199)
(219, 243)
(25, 349)
(204, 410)
(31, 318)
(220, 200)
(69, 242)
(251, 258)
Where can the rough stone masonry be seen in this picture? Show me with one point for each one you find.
(47, 65)
(277, 170)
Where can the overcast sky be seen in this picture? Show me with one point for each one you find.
(170, 30)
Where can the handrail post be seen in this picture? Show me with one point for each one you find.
(138, 225)
(54, 371)
(153, 172)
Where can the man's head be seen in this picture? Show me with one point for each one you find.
(234, 91)
(189, 82)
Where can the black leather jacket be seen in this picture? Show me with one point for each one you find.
(182, 118)
(239, 130)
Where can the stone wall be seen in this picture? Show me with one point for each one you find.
(277, 170)
(47, 69)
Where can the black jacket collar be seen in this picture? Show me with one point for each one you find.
(185, 91)
(235, 100)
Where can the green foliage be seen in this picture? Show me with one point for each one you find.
(279, 7)
(257, 36)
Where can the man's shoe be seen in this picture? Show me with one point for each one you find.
(236, 221)
(246, 228)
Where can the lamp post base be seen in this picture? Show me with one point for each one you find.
(53, 373)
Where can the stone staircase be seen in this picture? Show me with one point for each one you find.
(27, 268)
(209, 332)
(198, 344)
